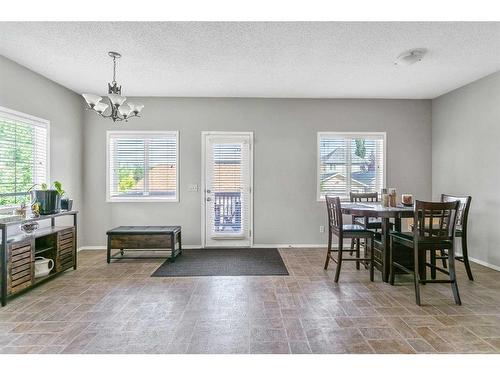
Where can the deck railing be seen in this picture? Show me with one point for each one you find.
(227, 210)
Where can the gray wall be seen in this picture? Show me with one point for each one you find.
(23, 90)
(465, 158)
(285, 206)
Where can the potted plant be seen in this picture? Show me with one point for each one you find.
(49, 200)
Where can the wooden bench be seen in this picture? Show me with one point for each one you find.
(157, 238)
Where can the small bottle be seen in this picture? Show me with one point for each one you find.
(392, 199)
(385, 198)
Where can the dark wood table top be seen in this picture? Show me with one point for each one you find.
(144, 230)
(374, 209)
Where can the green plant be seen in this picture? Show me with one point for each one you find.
(360, 148)
(58, 187)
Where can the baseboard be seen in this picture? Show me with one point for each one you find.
(486, 264)
(257, 246)
(91, 248)
(288, 245)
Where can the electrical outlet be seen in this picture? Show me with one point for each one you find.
(321, 229)
(193, 188)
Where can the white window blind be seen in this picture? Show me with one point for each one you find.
(350, 162)
(228, 179)
(23, 155)
(143, 166)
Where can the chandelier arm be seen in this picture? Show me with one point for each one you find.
(114, 70)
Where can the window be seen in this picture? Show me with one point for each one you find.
(24, 155)
(142, 166)
(350, 162)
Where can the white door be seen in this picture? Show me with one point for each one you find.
(227, 189)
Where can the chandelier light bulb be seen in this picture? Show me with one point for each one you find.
(138, 108)
(116, 100)
(92, 99)
(124, 110)
(101, 108)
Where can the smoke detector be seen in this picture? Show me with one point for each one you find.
(410, 57)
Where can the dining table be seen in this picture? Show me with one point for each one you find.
(386, 214)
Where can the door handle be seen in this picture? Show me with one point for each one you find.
(209, 199)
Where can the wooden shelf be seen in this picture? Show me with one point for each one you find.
(43, 250)
(39, 280)
(40, 232)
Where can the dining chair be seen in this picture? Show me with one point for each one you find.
(372, 223)
(461, 229)
(433, 229)
(345, 231)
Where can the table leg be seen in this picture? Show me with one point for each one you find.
(397, 224)
(75, 224)
(385, 249)
(422, 269)
(3, 253)
(108, 253)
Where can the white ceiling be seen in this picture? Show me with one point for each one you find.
(257, 59)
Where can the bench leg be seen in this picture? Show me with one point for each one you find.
(108, 252)
(172, 242)
(180, 243)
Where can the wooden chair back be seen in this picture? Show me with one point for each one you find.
(334, 214)
(366, 197)
(463, 208)
(435, 220)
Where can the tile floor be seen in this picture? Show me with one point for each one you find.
(119, 308)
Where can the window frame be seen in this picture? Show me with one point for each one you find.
(367, 134)
(143, 199)
(34, 121)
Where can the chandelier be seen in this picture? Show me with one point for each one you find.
(120, 110)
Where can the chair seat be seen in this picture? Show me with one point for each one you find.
(458, 231)
(355, 228)
(406, 239)
(373, 222)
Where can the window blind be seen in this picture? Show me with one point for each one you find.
(228, 179)
(350, 163)
(142, 166)
(23, 156)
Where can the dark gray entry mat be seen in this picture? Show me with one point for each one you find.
(224, 262)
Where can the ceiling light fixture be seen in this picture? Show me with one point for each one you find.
(119, 110)
(410, 57)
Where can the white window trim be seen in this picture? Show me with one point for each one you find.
(109, 199)
(35, 121)
(365, 135)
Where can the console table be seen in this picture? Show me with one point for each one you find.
(18, 252)
(158, 238)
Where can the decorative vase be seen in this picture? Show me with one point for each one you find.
(66, 204)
